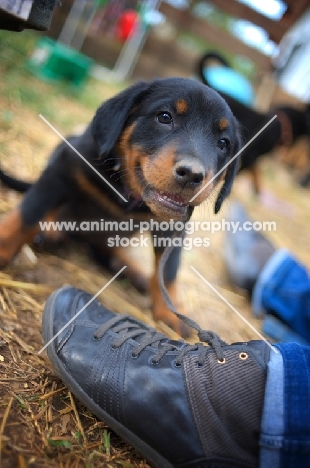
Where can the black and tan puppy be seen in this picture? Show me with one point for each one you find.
(157, 143)
(291, 124)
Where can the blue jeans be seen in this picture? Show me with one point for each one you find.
(285, 427)
(283, 289)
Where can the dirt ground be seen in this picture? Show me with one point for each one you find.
(41, 424)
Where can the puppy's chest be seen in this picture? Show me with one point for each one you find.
(101, 198)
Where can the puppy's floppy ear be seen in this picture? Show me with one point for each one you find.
(226, 187)
(231, 172)
(110, 118)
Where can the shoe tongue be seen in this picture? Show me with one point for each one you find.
(177, 343)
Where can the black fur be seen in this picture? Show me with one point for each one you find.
(253, 121)
(15, 184)
(193, 139)
(139, 104)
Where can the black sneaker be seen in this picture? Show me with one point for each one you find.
(179, 405)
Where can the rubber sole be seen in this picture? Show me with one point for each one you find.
(153, 457)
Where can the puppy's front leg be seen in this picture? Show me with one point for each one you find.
(160, 309)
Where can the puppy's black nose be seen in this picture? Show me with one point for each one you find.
(191, 174)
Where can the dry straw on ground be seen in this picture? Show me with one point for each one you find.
(41, 424)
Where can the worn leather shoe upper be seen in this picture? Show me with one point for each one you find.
(177, 404)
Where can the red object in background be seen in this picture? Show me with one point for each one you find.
(126, 24)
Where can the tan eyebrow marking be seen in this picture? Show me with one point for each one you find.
(223, 123)
(181, 106)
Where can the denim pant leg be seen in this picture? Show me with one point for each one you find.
(285, 430)
(283, 289)
(272, 425)
(296, 444)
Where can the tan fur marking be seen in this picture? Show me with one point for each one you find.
(104, 200)
(123, 144)
(223, 124)
(13, 235)
(131, 161)
(160, 310)
(131, 158)
(159, 172)
(181, 106)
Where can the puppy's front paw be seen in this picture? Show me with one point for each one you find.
(162, 313)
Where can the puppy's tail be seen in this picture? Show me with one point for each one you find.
(207, 59)
(14, 184)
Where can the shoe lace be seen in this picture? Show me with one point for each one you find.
(205, 336)
(129, 330)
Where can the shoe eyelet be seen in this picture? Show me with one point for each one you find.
(177, 364)
(243, 356)
(221, 361)
(114, 347)
(134, 355)
(199, 365)
(154, 363)
(96, 338)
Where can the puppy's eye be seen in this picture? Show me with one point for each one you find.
(223, 144)
(164, 118)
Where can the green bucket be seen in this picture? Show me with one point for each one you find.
(53, 61)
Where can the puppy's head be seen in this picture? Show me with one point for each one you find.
(175, 139)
